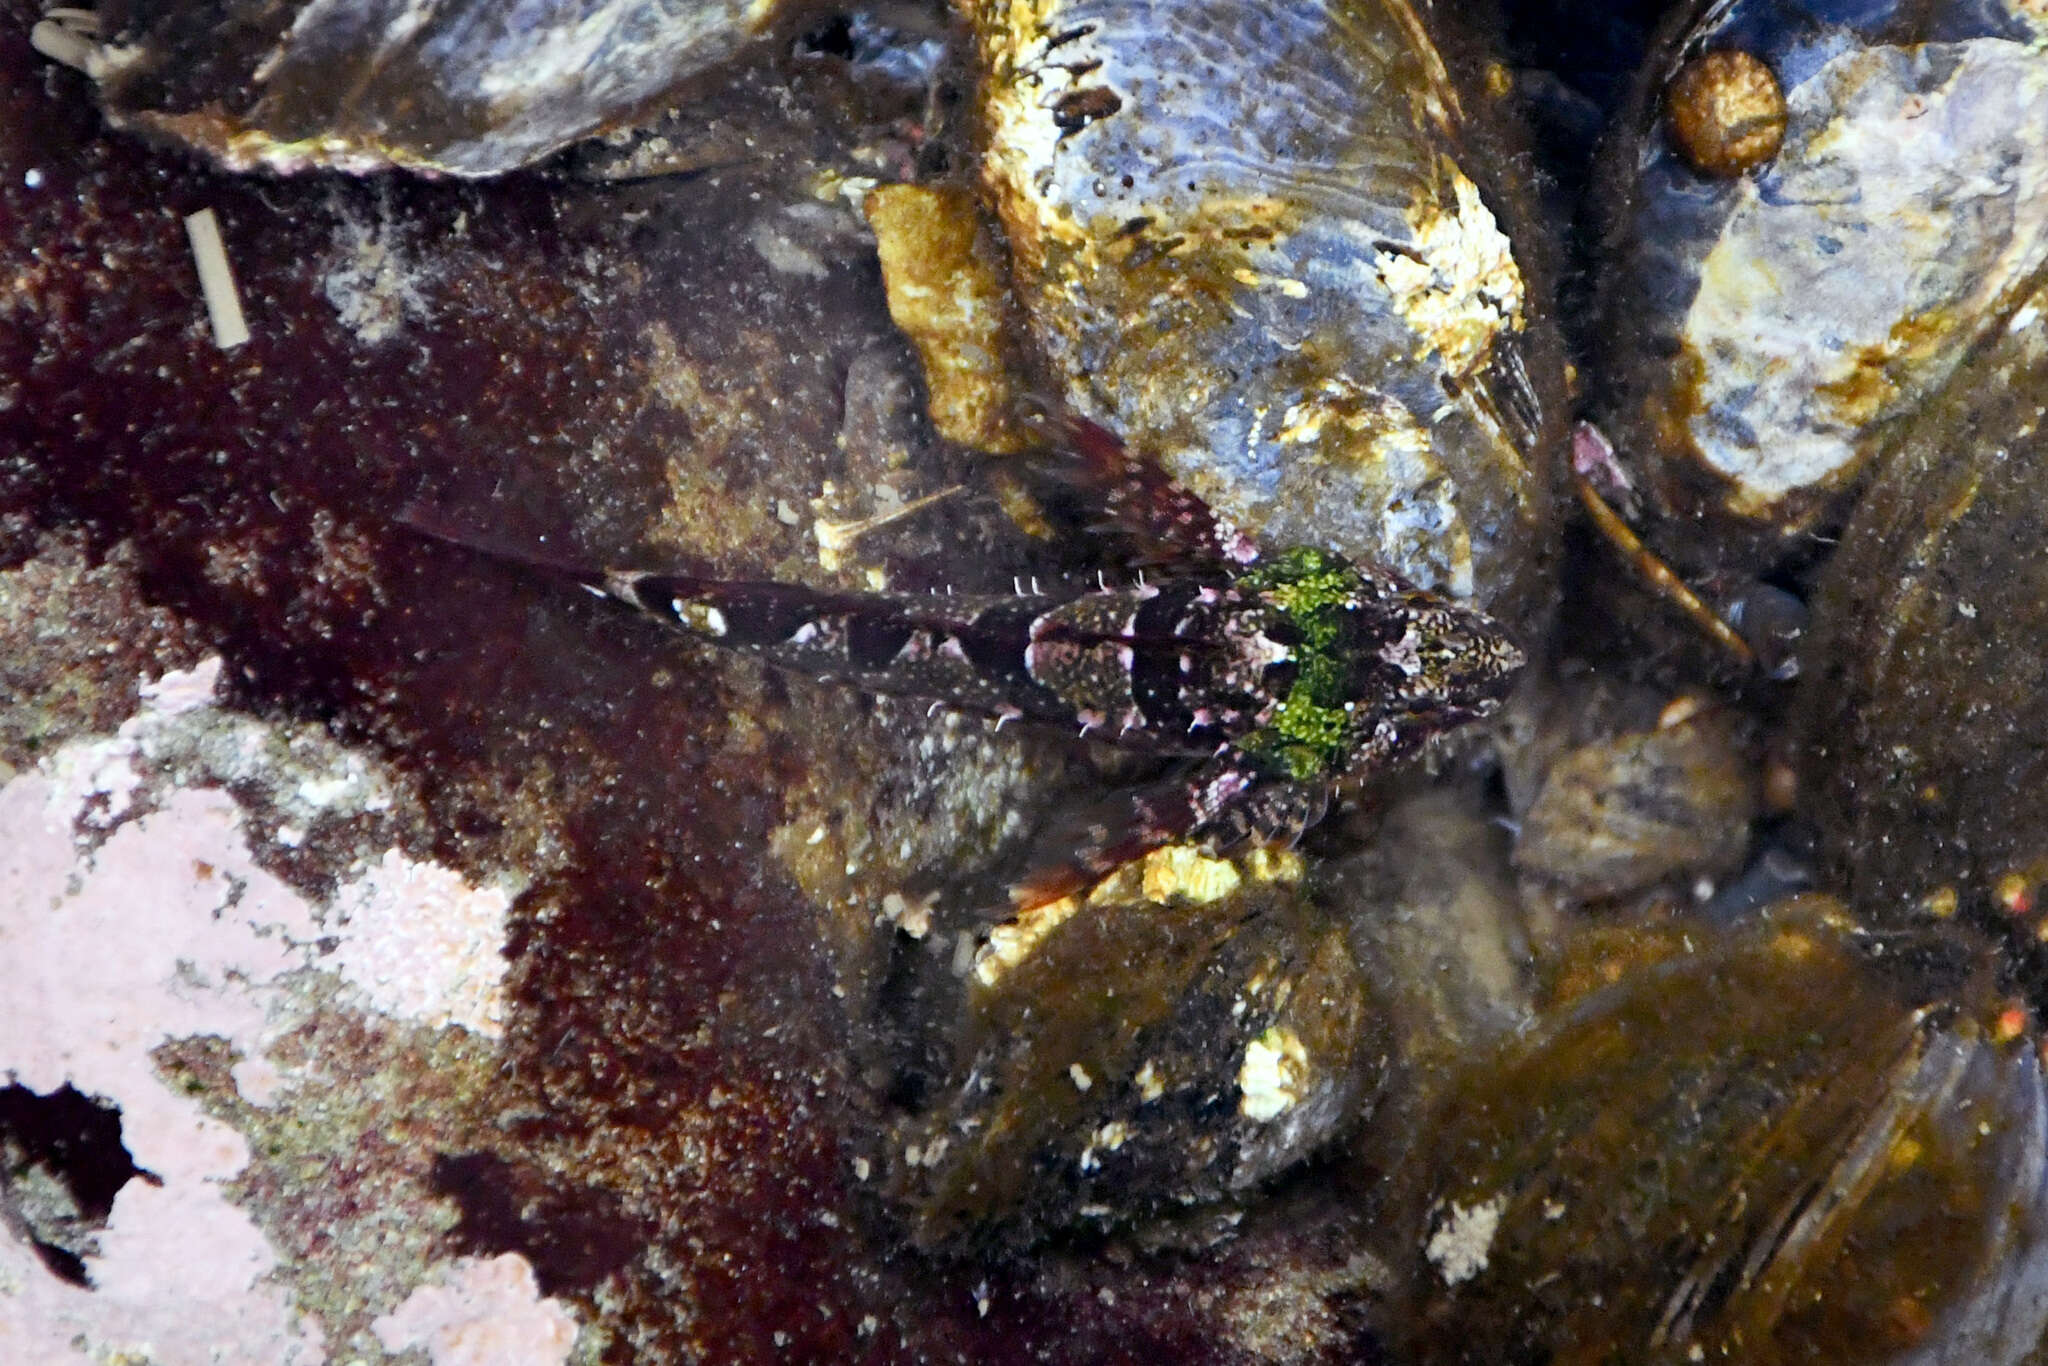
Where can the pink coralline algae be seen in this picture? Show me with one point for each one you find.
(167, 930)
(486, 1313)
(135, 916)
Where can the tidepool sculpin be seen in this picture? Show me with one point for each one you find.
(1279, 682)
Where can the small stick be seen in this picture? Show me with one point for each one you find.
(216, 281)
(834, 537)
(1587, 441)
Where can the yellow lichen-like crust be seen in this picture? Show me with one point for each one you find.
(1015, 940)
(1176, 874)
(1461, 289)
(946, 293)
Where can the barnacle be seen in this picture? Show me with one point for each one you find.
(1726, 111)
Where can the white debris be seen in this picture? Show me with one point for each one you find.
(216, 280)
(1464, 1238)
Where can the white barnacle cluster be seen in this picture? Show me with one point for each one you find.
(1274, 1074)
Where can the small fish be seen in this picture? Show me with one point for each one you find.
(1280, 682)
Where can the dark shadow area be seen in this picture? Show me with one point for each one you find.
(61, 1165)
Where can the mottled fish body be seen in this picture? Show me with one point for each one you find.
(1311, 667)
(1281, 682)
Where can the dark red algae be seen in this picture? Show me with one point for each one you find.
(656, 368)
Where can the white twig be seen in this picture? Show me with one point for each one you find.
(216, 280)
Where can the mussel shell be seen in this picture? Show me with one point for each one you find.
(1925, 725)
(471, 87)
(1191, 1028)
(1641, 807)
(1758, 334)
(1267, 244)
(1776, 1148)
